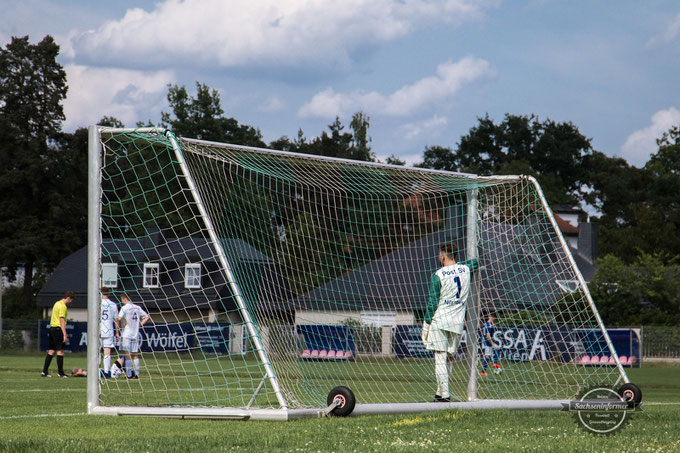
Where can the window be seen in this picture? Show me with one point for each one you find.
(192, 275)
(150, 275)
(110, 275)
(568, 286)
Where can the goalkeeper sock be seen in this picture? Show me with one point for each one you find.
(135, 363)
(107, 363)
(441, 373)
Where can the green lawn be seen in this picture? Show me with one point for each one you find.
(38, 414)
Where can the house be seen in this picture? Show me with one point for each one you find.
(581, 236)
(181, 278)
(174, 279)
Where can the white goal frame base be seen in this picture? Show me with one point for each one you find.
(293, 414)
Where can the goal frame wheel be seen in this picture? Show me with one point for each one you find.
(344, 401)
(631, 393)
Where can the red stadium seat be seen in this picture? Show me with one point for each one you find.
(632, 360)
(348, 355)
(584, 360)
(340, 355)
(331, 354)
(604, 360)
(323, 354)
(623, 359)
(306, 354)
(314, 354)
(612, 360)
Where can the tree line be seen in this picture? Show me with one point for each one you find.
(43, 179)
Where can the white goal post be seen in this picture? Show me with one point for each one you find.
(272, 278)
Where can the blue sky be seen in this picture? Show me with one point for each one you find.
(423, 70)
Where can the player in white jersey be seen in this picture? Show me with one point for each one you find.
(108, 333)
(134, 317)
(445, 314)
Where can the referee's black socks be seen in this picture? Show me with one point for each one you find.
(48, 360)
(60, 365)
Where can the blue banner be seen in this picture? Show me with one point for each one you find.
(167, 337)
(520, 343)
(328, 337)
(76, 333)
(212, 338)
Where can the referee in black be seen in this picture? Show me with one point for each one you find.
(58, 337)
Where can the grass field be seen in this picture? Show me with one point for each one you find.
(39, 414)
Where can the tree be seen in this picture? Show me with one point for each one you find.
(640, 206)
(202, 117)
(360, 138)
(394, 160)
(343, 145)
(552, 152)
(646, 292)
(32, 87)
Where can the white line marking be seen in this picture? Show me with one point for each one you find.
(660, 404)
(40, 415)
(41, 390)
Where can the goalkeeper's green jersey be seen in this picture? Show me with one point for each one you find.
(449, 290)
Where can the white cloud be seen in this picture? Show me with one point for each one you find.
(666, 35)
(642, 143)
(409, 99)
(127, 95)
(414, 130)
(265, 32)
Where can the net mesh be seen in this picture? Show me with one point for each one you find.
(266, 271)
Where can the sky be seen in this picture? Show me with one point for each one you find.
(424, 71)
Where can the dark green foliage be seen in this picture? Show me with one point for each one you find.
(552, 152)
(37, 224)
(646, 292)
(339, 144)
(641, 207)
(202, 118)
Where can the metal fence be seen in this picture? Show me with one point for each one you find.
(19, 335)
(661, 342)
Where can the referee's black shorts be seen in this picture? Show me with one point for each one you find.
(56, 339)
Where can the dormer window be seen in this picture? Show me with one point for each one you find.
(151, 272)
(110, 275)
(192, 275)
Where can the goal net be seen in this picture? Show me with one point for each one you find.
(273, 277)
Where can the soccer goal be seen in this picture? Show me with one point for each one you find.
(283, 285)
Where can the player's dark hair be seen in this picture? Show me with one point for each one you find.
(106, 291)
(125, 295)
(450, 249)
(69, 294)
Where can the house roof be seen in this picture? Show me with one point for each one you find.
(526, 273)
(565, 227)
(71, 274)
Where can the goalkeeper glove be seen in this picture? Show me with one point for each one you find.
(426, 332)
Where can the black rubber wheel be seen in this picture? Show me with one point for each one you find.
(631, 393)
(346, 399)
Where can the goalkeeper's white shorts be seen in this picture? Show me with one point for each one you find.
(443, 341)
(108, 342)
(129, 344)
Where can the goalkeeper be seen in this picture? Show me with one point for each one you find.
(445, 314)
